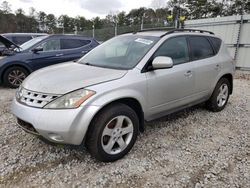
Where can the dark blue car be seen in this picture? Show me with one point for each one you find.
(16, 63)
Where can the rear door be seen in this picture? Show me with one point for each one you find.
(51, 54)
(207, 65)
(74, 48)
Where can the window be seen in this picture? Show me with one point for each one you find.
(200, 47)
(216, 42)
(21, 39)
(176, 48)
(122, 52)
(51, 45)
(73, 43)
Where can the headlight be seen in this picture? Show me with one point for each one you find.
(70, 100)
(19, 92)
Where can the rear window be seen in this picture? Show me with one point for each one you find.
(21, 39)
(73, 43)
(200, 47)
(216, 42)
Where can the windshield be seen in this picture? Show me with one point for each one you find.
(122, 52)
(31, 43)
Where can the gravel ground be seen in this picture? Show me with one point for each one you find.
(191, 148)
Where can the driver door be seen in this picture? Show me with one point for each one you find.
(171, 88)
(50, 55)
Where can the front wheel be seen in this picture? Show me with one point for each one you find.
(220, 96)
(14, 76)
(112, 133)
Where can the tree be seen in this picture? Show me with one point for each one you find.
(67, 23)
(135, 15)
(5, 7)
(21, 21)
(32, 20)
(50, 23)
(42, 21)
(122, 19)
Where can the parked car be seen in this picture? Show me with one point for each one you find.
(103, 100)
(17, 63)
(19, 38)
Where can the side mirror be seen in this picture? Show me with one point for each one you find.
(37, 49)
(162, 62)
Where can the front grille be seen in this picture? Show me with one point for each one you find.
(34, 99)
(27, 126)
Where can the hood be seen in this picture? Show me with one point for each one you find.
(7, 42)
(66, 77)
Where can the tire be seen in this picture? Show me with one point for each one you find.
(218, 100)
(106, 132)
(14, 76)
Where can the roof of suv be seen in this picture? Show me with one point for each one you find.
(24, 34)
(70, 36)
(161, 33)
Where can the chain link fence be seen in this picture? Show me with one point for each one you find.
(107, 33)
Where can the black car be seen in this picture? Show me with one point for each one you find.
(20, 38)
(17, 62)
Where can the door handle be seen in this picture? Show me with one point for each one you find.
(188, 73)
(85, 51)
(58, 55)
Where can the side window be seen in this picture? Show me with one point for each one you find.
(51, 45)
(216, 42)
(176, 48)
(21, 39)
(200, 47)
(73, 43)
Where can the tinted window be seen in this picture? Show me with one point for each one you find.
(21, 39)
(176, 48)
(200, 47)
(51, 45)
(73, 43)
(216, 44)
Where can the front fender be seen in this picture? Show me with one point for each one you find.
(115, 95)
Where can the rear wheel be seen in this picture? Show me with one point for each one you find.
(112, 133)
(220, 96)
(14, 76)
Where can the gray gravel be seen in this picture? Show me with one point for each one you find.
(192, 148)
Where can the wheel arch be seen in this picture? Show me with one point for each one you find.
(132, 103)
(14, 64)
(229, 77)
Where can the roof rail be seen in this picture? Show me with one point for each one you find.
(154, 29)
(185, 30)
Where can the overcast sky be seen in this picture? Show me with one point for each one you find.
(86, 8)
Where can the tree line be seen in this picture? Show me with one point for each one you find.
(39, 21)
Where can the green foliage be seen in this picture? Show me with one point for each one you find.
(157, 17)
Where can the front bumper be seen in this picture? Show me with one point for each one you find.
(67, 126)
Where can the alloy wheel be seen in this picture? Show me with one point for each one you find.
(117, 135)
(16, 77)
(223, 95)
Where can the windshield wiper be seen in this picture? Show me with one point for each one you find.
(88, 64)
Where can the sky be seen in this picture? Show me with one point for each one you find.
(86, 8)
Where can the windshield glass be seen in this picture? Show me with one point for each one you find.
(122, 52)
(31, 43)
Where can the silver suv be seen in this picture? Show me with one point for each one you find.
(102, 100)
